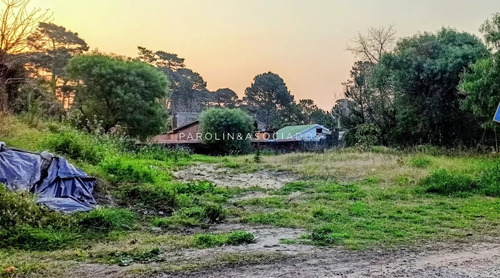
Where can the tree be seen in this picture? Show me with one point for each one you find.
(424, 73)
(371, 46)
(227, 130)
(367, 88)
(481, 87)
(17, 23)
(51, 47)
(491, 31)
(268, 97)
(225, 98)
(120, 94)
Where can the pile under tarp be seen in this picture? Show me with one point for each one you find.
(58, 184)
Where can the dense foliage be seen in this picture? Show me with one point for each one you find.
(217, 124)
(120, 94)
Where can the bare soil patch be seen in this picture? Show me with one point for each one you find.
(222, 176)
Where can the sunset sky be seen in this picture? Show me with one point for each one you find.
(230, 41)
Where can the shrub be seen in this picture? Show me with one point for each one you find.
(223, 122)
(150, 196)
(447, 183)
(120, 170)
(77, 145)
(213, 213)
(106, 219)
(240, 237)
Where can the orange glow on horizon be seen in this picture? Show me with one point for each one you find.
(229, 42)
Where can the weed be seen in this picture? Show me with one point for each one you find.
(159, 197)
(213, 240)
(106, 219)
(77, 145)
(120, 170)
(240, 237)
(447, 183)
(420, 162)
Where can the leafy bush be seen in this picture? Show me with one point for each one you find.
(213, 213)
(106, 219)
(120, 170)
(240, 237)
(219, 123)
(446, 183)
(77, 145)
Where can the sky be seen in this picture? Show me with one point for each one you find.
(229, 42)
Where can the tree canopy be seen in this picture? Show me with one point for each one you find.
(268, 98)
(120, 94)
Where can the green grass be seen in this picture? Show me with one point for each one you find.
(381, 198)
(213, 240)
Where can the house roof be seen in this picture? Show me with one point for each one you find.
(290, 131)
(177, 129)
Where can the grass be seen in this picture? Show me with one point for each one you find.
(380, 198)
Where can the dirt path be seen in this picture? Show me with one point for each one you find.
(443, 260)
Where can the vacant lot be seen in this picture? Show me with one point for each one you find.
(347, 212)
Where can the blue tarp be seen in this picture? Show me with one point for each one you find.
(58, 184)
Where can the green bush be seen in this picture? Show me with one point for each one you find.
(217, 122)
(120, 170)
(240, 237)
(77, 145)
(106, 219)
(213, 213)
(159, 197)
(447, 183)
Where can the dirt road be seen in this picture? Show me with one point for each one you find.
(443, 260)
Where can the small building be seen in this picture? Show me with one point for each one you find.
(306, 133)
(188, 133)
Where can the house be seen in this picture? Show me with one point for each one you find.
(188, 133)
(306, 133)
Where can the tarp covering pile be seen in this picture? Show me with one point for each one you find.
(58, 184)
